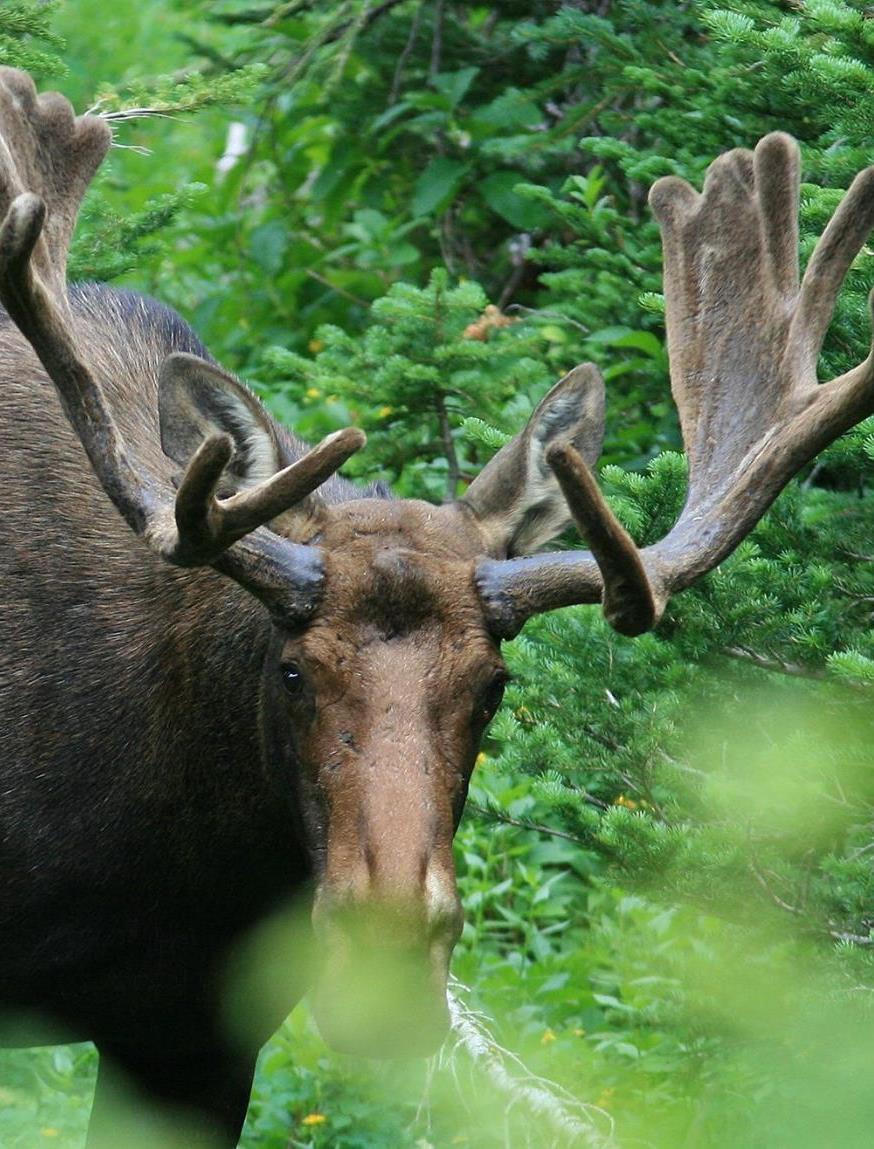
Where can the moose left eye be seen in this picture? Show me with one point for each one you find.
(493, 695)
(292, 679)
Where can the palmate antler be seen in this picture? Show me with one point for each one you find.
(743, 343)
(47, 160)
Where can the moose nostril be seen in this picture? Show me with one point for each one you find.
(370, 862)
(445, 916)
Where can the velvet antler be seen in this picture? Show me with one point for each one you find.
(743, 340)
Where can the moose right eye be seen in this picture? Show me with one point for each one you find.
(292, 679)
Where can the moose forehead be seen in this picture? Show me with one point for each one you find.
(395, 567)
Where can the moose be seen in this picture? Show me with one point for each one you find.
(229, 677)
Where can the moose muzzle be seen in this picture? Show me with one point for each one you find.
(386, 918)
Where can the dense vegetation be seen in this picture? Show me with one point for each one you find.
(667, 861)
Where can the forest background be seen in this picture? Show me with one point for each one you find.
(425, 213)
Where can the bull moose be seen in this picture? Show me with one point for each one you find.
(228, 676)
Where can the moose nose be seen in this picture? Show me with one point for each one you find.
(371, 906)
(381, 989)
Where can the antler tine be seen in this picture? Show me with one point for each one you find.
(629, 599)
(37, 313)
(206, 526)
(46, 150)
(743, 343)
(838, 246)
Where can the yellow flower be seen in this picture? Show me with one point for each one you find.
(384, 412)
(481, 757)
(313, 393)
(548, 1037)
(628, 803)
(314, 1119)
(316, 345)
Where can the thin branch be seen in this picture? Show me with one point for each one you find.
(775, 898)
(453, 475)
(124, 114)
(856, 939)
(565, 1116)
(777, 665)
(856, 557)
(437, 42)
(313, 274)
(549, 315)
(336, 32)
(524, 824)
(405, 54)
(829, 931)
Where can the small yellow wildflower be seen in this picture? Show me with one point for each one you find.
(313, 393)
(548, 1037)
(50, 1131)
(384, 412)
(314, 1119)
(628, 803)
(316, 345)
(481, 758)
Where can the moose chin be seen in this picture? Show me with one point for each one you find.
(228, 677)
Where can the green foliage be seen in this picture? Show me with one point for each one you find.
(27, 38)
(428, 355)
(666, 860)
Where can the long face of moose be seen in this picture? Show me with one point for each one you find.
(374, 706)
(378, 707)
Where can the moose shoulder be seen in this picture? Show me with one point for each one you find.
(228, 677)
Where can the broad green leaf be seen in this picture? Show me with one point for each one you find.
(499, 192)
(437, 185)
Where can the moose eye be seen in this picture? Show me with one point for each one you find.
(292, 679)
(492, 696)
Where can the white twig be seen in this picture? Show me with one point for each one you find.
(135, 114)
(570, 1121)
(236, 146)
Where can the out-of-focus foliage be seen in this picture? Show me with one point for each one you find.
(414, 216)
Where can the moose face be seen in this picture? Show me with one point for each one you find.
(377, 708)
(375, 699)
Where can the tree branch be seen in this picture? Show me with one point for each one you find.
(453, 475)
(564, 1115)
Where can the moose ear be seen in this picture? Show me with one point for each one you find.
(516, 499)
(196, 399)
